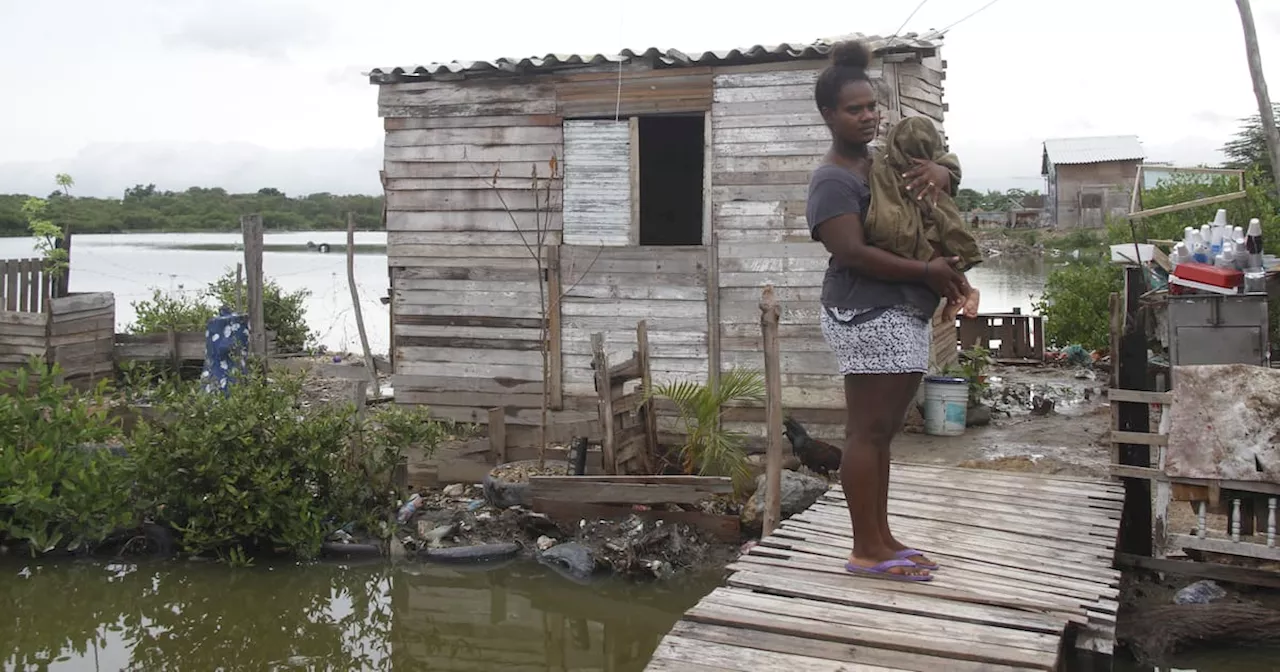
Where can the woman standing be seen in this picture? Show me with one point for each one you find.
(876, 309)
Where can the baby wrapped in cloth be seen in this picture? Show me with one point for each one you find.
(900, 223)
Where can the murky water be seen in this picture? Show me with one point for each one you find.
(90, 616)
(132, 265)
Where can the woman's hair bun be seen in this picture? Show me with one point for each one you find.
(851, 54)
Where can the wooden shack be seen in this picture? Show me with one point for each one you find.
(682, 194)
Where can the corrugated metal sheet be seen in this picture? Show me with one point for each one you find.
(672, 58)
(1070, 151)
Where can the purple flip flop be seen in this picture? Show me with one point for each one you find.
(881, 571)
(908, 553)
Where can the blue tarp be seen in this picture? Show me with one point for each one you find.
(226, 347)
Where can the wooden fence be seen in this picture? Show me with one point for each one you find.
(76, 331)
(1020, 337)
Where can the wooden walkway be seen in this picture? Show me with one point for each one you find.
(1026, 575)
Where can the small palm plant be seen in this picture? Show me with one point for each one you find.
(710, 449)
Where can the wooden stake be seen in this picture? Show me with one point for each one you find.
(252, 228)
(770, 313)
(498, 434)
(355, 303)
(1265, 110)
(239, 307)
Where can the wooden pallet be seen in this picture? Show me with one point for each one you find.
(1026, 566)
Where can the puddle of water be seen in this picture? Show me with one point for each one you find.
(73, 616)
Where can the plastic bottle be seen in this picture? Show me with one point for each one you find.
(410, 507)
(1179, 254)
(1217, 229)
(1253, 243)
(1199, 248)
(1186, 236)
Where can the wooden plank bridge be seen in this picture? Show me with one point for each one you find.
(1027, 575)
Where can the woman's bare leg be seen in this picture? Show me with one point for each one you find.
(882, 510)
(876, 406)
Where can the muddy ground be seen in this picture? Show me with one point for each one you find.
(1046, 419)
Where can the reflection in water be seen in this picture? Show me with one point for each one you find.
(1006, 284)
(196, 616)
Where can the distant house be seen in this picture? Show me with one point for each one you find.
(1089, 179)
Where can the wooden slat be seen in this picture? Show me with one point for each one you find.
(1023, 557)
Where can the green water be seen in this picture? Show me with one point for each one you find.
(72, 616)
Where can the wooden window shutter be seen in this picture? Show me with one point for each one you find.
(597, 183)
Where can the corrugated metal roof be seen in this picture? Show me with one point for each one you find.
(1069, 151)
(671, 58)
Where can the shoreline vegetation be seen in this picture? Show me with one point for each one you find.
(145, 209)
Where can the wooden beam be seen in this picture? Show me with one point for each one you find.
(251, 226)
(1132, 419)
(1204, 570)
(355, 303)
(770, 314)
(1176, 207)
(629, 491)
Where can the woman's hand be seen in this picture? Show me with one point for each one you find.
(928, 180)
(942, 277)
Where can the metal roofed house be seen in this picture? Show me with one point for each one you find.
(684, 181)
(1088, 179)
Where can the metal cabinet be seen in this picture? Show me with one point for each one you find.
(1218, 329)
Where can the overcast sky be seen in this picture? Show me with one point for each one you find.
(243, 94)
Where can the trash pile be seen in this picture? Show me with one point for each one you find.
(457, 524)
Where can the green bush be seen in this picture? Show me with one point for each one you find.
(1076, 304)
(259, 471)
(57, 490)
(283, 312)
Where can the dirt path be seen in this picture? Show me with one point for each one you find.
(1070, 439)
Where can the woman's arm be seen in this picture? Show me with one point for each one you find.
(844, 239)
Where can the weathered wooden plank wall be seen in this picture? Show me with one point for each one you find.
(465, 290)
(610, 289)
(465, 286)
(767, 136)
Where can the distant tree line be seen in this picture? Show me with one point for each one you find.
(144, 208)
(969, 200)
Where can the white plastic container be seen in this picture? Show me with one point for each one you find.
(946, 405)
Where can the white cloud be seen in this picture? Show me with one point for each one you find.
(259, 29)
(244, 94)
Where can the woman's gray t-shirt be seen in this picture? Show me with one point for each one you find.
(834, 191)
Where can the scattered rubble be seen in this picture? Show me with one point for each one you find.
(457, 523)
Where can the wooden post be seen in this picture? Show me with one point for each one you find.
(360, 399)
(604, 389)
(1129, 363)
(355, 303)
(252, 228)
(239, 307)
(770, 314)
(1265, 110)
(175, 356)
(64, 281)
(649, 457)
(498, 434)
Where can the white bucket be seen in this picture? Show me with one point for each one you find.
(946, 405)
